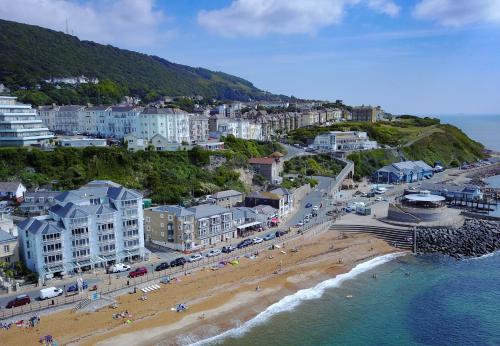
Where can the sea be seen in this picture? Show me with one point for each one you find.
(392, 299)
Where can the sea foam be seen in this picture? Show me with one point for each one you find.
(290, 302)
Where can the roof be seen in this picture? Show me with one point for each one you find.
(41, 193)
(99, 189)
(262, 160)
(40, 224)
(276, 154)
(122, 108)
(226, 193)
(173, 209)
(265, 195)
(153, 110)
(265, 209)
(9, 186)
(70, 108)
(281, 191)
(6, 236)
(449, 187)
(207, 210)
(98, 108)
(424, 196)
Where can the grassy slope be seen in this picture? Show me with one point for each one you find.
(170, 177)
(418, 138)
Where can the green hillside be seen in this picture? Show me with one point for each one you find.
(30, 53)
(412, 137)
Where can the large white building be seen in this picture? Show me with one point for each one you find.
(93, 120)
(20, 125)
(67, 119)
(343, 141)
(121, 121)
(171, 123)
(96, 225)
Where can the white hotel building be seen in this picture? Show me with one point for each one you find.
(343, 141)
(96, 225)
(20, 125)
(171, 123)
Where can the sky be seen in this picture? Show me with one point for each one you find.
(408, 56)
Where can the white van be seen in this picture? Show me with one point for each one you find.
(50, 292)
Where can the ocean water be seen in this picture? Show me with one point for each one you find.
(482, 128)
(413, 300)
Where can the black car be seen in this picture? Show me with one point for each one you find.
(244, 243)
(178, 262)
(280, 233)
(228, 249)
(162, 266)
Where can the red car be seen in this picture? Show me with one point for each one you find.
(18, 301)
(138, 272)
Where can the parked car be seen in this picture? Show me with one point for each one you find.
(50, 292)
(378, 198)
(299, 224)
(118, 268)
(138, 272)
(309, 205)
(257, 240)
(213, 252)
(18, 301)
(228, 249)
(280, 233)
(74, 287)
(269, 236)
(180, 261)
(165, 280)
(162, 266)
(244, 243)
(194, 258)
(315, 208)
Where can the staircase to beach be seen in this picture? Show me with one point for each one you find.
(400, 238)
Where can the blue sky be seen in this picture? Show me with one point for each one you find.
(409, 56)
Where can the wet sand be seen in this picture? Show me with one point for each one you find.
(217, 300)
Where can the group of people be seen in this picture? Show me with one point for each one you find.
(123, 314)
(29, 323)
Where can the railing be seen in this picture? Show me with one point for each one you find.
(124, 282)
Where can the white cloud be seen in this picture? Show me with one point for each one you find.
(384, 6)
(125, 23)
(260, 17)
(459, 12)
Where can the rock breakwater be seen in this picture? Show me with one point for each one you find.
(475, 238)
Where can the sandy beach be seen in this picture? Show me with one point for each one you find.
(217, 300)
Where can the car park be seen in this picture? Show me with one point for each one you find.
(50, 292)
(257, 240)
(162, 266)
(244, 243)
(194, 258)
(118, 268)
(74, 287)
(18, 301)
(180, 261)
(228, 249)
(213, 252)
(269, 236)
(138, 272)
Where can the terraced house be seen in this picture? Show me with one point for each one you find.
(94, 226)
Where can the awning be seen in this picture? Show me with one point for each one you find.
(250, 224)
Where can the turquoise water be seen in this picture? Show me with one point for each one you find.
(414, 300)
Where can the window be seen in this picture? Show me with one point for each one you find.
(170, 218)
(162, 225)
(162, 216)
(6, 248)
(148, 219)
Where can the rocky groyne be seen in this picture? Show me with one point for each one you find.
(475, 238)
